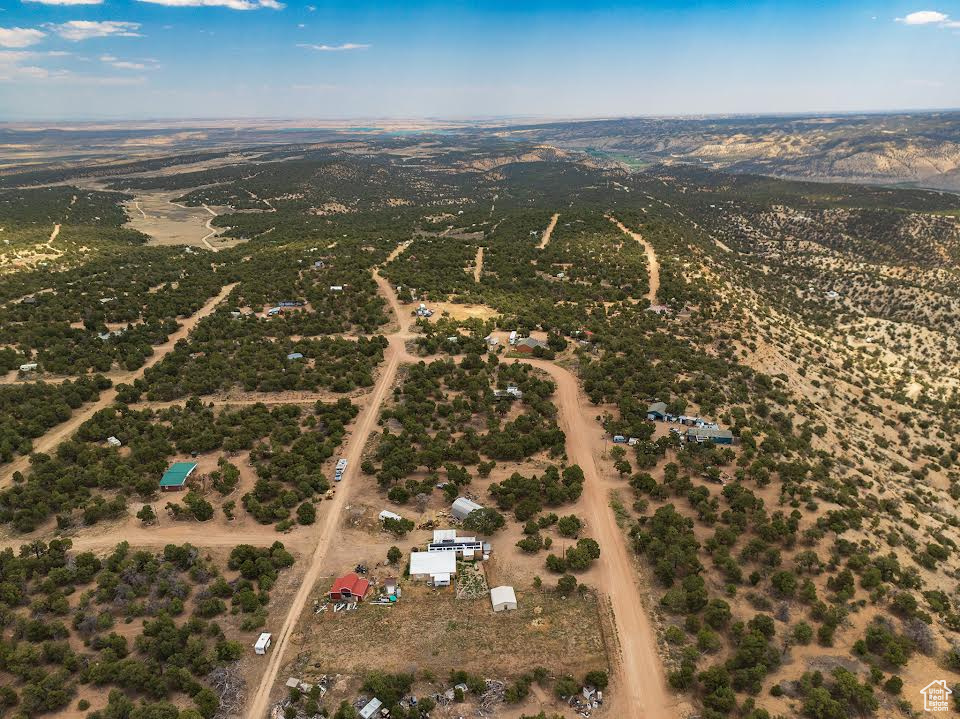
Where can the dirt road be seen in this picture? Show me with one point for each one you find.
(549, 231)
(63, 431)
(53, 235)
(213, 231)
(266, 399)
(326, 529)
(198, 534)
(478, 265)
(640, 691)
(397, 252)
(652, 263)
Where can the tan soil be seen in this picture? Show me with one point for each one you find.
(478, 265)
(549, 231)
(459, 311)
(154, 213)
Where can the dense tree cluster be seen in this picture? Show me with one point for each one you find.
(226, 352)
(169, 658)
(306, 275)
(527, 496)
(288, 445)
(446, 416)
(27, 411)
(108, 313)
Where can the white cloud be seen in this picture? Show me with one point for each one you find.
(20, 36)
(11, 57)
(19, 66)
(116, 62)
(930, 17)
(924, 17)
(66, 2)
(334, 48)
(230, 4)
(77, 30)
(12, 67)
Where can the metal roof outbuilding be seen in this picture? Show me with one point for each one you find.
(176, 475)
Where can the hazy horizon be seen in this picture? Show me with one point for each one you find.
(466, 121)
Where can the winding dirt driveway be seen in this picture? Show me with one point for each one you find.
(652, 263)
(63, 431)
(213, 230)
(640, 691)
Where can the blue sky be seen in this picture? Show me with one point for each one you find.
(138, 59)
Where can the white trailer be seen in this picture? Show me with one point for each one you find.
(263, 643)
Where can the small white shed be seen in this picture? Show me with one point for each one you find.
(503, 598)
(387, 514)
(263, 643)
(113, 441)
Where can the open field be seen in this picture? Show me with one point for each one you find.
(436, 632)
(169, 223)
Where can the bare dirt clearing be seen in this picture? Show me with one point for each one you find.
(155, 213)
(444, 633)
(462, 311)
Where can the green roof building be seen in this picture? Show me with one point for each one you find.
(176, 476)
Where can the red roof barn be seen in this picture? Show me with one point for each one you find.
(349, 586)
